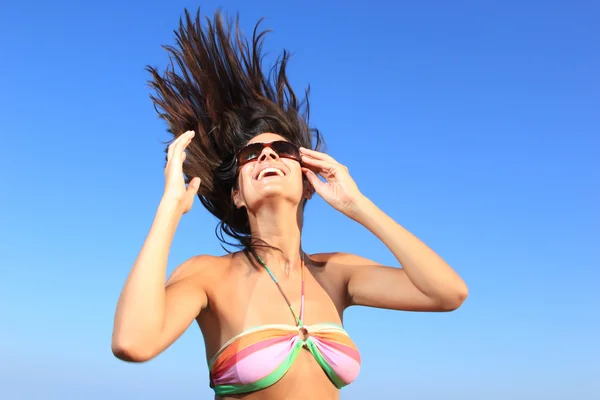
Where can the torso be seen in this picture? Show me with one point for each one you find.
(241, 296)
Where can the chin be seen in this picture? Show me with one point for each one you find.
(276, 186)
(274, 193)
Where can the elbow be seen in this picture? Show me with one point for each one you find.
(130, 352)
(455, 298)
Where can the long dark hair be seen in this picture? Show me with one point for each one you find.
(215, 86)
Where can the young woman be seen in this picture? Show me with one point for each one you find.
(270, 314)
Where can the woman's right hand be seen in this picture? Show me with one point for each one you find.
(175, 188)
(149, 317)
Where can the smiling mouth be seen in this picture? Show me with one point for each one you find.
(269, 172)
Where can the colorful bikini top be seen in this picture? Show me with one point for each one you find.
(259, 357)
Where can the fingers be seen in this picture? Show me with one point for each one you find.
(316, 163)
(193, 187)
(327, 169)
(178, 145)
(316, 154)
(313, 179)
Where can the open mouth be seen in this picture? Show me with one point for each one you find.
(269, 172)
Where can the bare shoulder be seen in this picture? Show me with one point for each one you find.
(199, 268)
(337, 270)
(340, 264)
(341, 259)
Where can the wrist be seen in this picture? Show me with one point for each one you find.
(361, 208)
(169, 207)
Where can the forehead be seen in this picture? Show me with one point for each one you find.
(266, 138)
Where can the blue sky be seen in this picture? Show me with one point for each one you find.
(474, 124)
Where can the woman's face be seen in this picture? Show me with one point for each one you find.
(269, 176)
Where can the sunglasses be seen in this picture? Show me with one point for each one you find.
(252, 151)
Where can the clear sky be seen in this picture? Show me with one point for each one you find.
(475, 124)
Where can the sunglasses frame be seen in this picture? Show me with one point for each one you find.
(269, 145)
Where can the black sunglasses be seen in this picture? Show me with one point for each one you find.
(252, 151)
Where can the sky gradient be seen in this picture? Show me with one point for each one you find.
(474, 124)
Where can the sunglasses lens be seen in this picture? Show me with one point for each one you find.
(250, 152)
(286, 149)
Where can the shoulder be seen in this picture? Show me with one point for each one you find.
(339, 264)
(199, 268)
(340, 268)
(340, 259)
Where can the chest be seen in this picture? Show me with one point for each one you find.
(254, 298)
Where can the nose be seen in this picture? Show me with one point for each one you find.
(268, 154)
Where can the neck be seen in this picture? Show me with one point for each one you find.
(279, 226)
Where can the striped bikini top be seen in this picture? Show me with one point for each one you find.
(259, 357)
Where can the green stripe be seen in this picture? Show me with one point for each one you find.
(265, 382)
(295, 316)
(328, 370)
(329, 324)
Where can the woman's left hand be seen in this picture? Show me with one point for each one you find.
(339, 189)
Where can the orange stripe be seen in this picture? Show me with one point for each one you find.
(245, 341)
(335, 337)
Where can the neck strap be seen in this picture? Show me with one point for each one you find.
(299, 320)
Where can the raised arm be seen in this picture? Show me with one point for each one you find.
(150, 314)
(424, 283)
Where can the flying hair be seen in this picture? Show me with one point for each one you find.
(214, 85)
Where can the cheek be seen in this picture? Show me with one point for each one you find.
(242, 182)
(245, 175)
(299, 180)
(293, 166)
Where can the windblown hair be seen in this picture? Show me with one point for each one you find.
(215, 86)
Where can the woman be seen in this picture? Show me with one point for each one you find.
(270, 314)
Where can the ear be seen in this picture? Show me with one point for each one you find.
(237, 200)
(308, 189)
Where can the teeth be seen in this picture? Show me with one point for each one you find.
(267, 170)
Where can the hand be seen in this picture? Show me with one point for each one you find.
(339, 189)
(175, 189)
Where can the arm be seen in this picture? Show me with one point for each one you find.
(425, 283)
(150, 316)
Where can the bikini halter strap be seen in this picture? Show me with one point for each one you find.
(299, 320)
